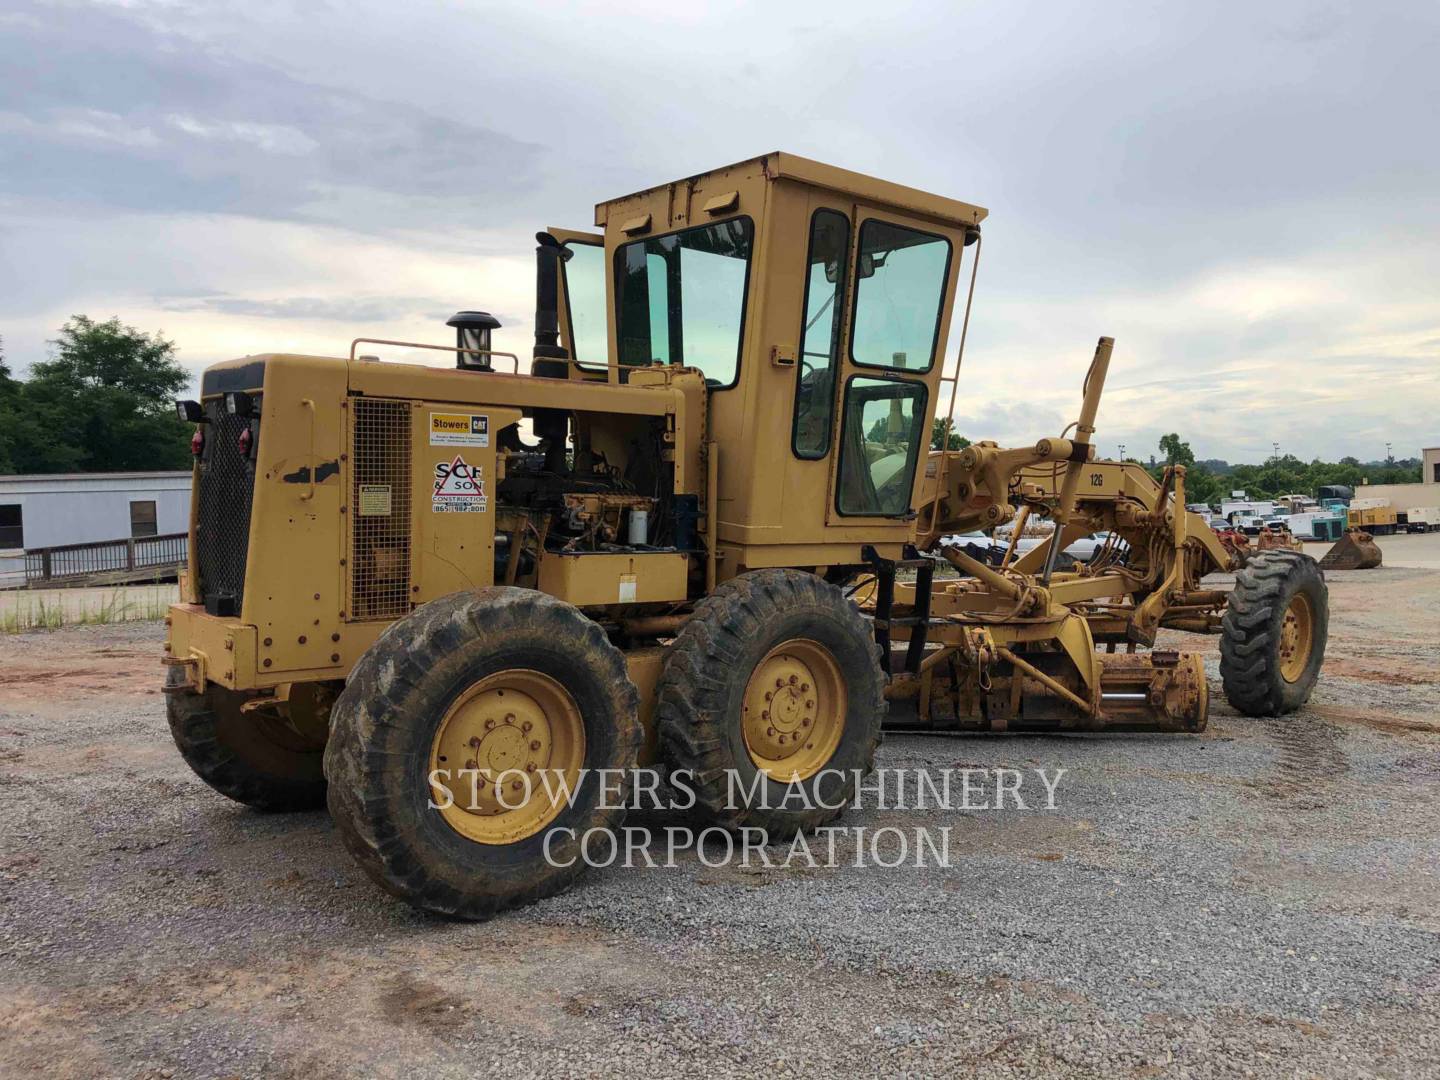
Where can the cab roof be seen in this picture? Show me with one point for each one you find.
(782, 166)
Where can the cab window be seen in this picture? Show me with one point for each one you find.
(880, 440)
(900, 276)
(825, 265)
(585, 295)
(680, 299)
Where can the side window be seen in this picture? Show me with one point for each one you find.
(585, 293)
(880, 441)
(142, 518)
(825, 266)
(899, 289)
(12, 527)
(680, 298)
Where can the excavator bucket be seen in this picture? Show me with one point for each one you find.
(1355, 550)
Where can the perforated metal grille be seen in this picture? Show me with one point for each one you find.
(380, 510)
(222, 524)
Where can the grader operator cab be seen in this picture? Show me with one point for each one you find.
(706, 532)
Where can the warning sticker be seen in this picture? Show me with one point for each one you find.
(459, 429)
(374, 500)
(459, 488)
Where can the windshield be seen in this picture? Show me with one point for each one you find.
(680, 299)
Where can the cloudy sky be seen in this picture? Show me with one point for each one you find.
(1247, 196)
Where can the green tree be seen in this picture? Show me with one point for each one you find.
(937, 432)
(9, 395)
(104, 402)
(1176, 452)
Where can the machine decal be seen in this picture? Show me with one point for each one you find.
(459, 429)
(459, 488)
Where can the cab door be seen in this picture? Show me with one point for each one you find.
(584, 302)
(901, 285)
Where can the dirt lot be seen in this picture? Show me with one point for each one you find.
(1261, 900)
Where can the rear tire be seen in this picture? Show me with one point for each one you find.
(451, 662)
(254, 758)
(1274, 632)
(772, 624)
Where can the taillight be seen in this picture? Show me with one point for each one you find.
(244, 441)
(197, 442)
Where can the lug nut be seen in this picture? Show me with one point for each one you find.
(489, 724)
(534, 744)
(510, 718)
(779, 683)
(526, 726)
(805, 688)
(794, 679)
(770, 732)
(475, 741)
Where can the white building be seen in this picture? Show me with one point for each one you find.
(51, 509)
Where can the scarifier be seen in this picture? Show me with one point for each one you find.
(648, 548)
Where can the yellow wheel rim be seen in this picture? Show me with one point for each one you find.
(794, 710)
(495, 750)
(1297, 636)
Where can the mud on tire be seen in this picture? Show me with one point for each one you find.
(252, 758)
(700, 695)
(385, 723)
(1259, 665)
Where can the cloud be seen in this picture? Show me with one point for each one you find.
(350, 309)
(104, 109)
(1243, 196)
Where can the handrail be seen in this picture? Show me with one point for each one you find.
(583, 365)
(437, 348)
(102, 543)
(122, 555)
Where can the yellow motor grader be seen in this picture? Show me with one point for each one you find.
(466, 604)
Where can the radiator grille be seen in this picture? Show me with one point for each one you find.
(380, 510)
(222, 524)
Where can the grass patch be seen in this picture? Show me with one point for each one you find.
(42, 613)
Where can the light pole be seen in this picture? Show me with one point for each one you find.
(1276, 447)
(1389, 457)
(1122, 451)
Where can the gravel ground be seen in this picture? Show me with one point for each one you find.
(1260, 900)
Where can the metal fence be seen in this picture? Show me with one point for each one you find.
(140, 558)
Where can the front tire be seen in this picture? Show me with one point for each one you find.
(484, 687)
(1274, 633)
(773, 686)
